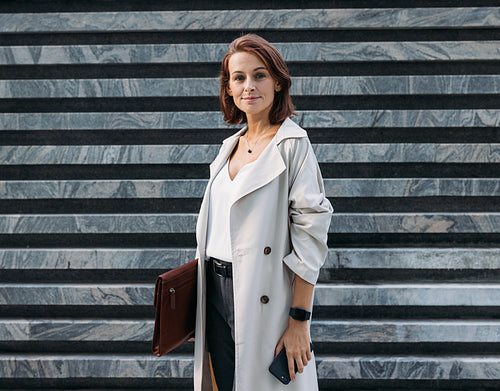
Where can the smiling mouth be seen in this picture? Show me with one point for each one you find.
(250, 98)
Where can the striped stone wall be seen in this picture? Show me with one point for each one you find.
(109, 119)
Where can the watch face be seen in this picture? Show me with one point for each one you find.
(299, 314)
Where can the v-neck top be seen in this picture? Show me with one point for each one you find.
(222, 193)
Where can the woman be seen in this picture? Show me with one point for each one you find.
(261, 232)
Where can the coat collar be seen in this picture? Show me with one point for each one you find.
(268, 166)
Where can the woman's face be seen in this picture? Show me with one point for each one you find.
(251, 84)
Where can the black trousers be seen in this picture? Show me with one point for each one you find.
(220, 327)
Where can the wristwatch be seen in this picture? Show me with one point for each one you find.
(299, 314)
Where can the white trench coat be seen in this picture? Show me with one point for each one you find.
(282, 206)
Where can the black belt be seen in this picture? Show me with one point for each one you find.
(220, 267)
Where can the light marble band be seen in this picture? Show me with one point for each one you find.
(214, 120)
(252, 19)
(169, 258)
(205, 154)
(213, 53)
(194, 188)
(186, 223)
(200, 87)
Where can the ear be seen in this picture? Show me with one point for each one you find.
(277, 87)
(228, 91)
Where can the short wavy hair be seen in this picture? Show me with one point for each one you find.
(282, 107)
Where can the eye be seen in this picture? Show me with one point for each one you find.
(260, 75)
(239, 78)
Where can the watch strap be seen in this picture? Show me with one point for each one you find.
(299, 314)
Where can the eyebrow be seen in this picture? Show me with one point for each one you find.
(256, 69)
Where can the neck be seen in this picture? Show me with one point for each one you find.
(258, 126)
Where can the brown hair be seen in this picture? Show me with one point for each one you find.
(282, 107)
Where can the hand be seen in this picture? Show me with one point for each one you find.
(296, 341)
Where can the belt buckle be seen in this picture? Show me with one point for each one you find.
(220, 269)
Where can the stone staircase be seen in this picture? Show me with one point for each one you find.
(109, 119)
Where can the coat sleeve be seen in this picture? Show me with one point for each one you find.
(310, 213)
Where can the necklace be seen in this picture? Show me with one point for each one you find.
(256, 141)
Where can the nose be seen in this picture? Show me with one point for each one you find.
(249, 84)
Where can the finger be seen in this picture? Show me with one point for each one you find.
(300, 364)
(309, 355)
(291, 366)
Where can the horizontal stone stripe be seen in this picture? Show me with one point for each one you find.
(415, 223)
(195, 188)
(205, 154)
(386, 331)
(167, 258)
(196, 87)
(411, 258)
(92, 224)
(394, 331)
(251, 19)
(73, 294)
(214, 52)
(214, 120)
(185, 223)
(62, 366)
(432, 294)
(408, 367)
(76, 330)
(99, 258)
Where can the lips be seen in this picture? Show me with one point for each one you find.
(250, 98)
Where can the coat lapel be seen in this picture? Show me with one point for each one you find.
(269, 164)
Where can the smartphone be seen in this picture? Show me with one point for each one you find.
(279, 367)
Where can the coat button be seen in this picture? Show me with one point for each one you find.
(267, 250)
(264, 299)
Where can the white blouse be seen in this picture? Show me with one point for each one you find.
(221, 196)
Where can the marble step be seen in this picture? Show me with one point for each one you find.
(194, 188)
(168, 258)
(430, 223)
(303, 19)
(213, 119)
(205, 154)
(331, 331)
(383, 294)
(196, 87)
(214, 52)
(64, 366)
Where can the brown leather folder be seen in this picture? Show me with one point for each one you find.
(175, 303)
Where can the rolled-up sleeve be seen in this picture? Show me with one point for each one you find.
(310, 214)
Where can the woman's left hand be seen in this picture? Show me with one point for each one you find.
(296, 341)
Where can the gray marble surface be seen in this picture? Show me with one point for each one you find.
(61, 366)
(252, 19)
(130, 188)
(415, 223)
(167, 258)
(408, 367)
(99, 223)
(405, 331)
(24, 366)
(359, 331)
(341, 294)
(197, 154)
(213, 119)
(98, 258)
(298, 51)
(408, 294)
(194, 188)
(344, 85)
(76, 330)
(186, 222)
(413, 258)
(77, 294)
